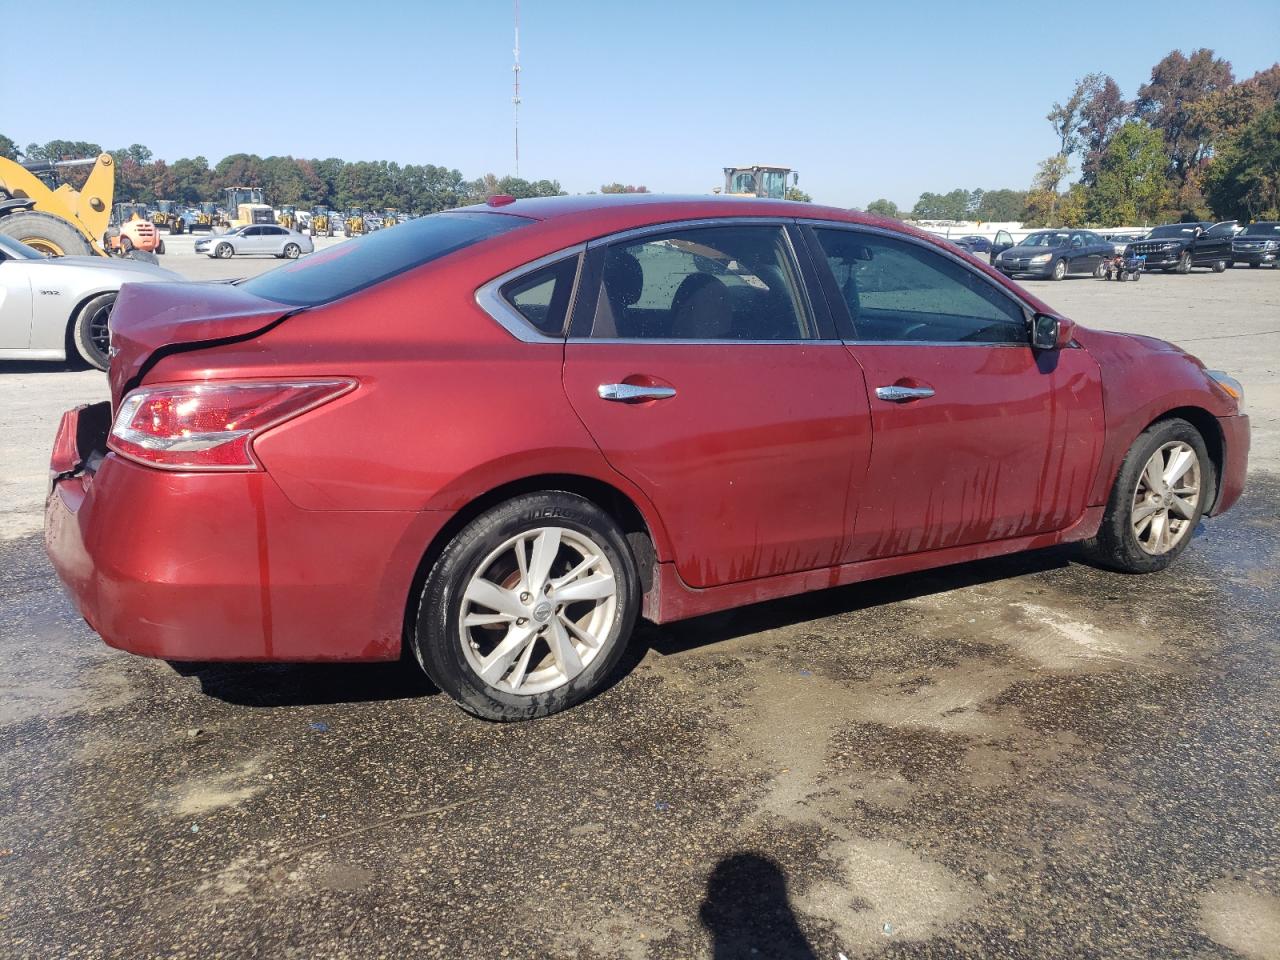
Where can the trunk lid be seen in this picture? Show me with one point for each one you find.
(153, 319)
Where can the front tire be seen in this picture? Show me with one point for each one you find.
(223, 251)
(1184, 263)
(90, 334)
(1059, 270)
(528, 609)
(1160, 493)
(1219, 266)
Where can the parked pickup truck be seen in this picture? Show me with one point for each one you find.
(1259, 244)
(1181, 246)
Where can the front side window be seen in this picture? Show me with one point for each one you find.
(542, 297)
(896, 290)
(707, 283)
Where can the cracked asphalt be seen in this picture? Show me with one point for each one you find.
(1024, 757)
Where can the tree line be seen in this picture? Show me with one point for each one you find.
(1193, 144)
(334, 183)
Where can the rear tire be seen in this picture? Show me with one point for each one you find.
(49, 234)
(483, 609)
(1119, 544)
(89, 331)
(291, 251)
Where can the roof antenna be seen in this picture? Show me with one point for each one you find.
(515, 96)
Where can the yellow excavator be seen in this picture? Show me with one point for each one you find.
(59, 221)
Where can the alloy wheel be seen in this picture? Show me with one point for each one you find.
(100, 331)
(1166, 498)
(538, 610)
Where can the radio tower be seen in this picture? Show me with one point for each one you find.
(515, 95)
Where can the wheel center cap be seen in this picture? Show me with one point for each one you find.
(542, 612)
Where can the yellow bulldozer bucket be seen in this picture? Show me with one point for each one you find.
(87, 210)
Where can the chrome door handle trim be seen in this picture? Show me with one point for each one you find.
(632, 393)
(897, 394)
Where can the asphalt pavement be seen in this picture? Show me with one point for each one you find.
(1024, 757)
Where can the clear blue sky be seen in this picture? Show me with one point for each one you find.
(864, 99)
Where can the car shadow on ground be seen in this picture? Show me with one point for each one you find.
(293, 684)
(41, 366)
(731, 624)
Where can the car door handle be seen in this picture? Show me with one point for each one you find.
(633, 393)
(896, 394)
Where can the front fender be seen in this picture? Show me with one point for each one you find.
(1142, 379)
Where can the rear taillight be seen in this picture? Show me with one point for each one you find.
(211, 426)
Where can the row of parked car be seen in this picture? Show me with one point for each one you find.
(1173, 248)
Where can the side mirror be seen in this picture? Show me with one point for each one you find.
(1050, 332)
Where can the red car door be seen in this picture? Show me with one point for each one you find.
(705, 377)
(977, 437)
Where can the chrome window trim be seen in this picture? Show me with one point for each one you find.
(1027, 310)
(674, 225)
(489, 296)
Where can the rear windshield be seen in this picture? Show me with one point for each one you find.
(355, 264)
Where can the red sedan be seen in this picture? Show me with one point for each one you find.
(501, 434)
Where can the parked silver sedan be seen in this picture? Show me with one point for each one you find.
(257, 239)
(56, 308)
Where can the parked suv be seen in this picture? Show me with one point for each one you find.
(1181, 246)
(1259, 244)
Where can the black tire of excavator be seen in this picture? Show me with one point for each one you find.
(33, 224)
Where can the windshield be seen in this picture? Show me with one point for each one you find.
(16, 250)
(355, 264)
(1178, 230)
(1263, 230)
(1046, 240)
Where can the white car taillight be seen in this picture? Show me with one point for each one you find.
(211, 426)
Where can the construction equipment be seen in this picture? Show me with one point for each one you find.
(57, 221)
(206, 217)
(288, 218)
(353, 224)
(168, 215)
(321, 222)
(759, 180)
(132, 233)
(245, 206)
(390, 217)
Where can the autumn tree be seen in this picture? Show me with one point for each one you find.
(1101, 114)
(1167, 101)
(1043, 200)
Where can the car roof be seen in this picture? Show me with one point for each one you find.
(657, 207)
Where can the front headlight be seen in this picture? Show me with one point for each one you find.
(1230, 386)
(1043, 258)
(1270, 245)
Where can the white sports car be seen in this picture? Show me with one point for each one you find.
(56, 308)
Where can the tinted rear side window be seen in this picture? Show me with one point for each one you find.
(355, 264)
